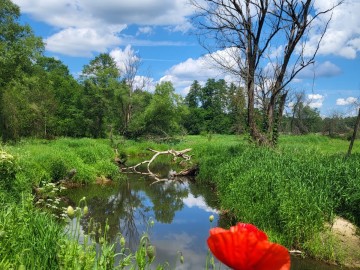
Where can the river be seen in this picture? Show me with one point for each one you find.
(179, 210)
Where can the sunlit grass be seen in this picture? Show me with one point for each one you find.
(292, 191)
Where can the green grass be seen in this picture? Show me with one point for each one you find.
(50, 161)
(289, 192)
(29, 237)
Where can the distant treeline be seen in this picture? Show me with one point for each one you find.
(40, 98)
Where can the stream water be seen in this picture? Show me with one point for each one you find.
(180, 211)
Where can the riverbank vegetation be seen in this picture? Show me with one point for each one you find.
(290, 192)
(58, 128)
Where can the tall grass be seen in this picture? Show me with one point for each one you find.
(51, 161)
(29, 237)
(290, 192)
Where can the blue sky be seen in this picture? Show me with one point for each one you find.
(159, 32)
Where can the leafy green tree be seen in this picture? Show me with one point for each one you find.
(101, 79)
(68, 118)
(209, 107)
(164, 113)
(140, 101)
(194, 122)
(192, 99)
(306, 119)
(19, 49)
(237, 108)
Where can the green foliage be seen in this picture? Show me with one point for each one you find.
(290, 192)
(51, 161)
(29, 237)
(162, 114)
(8, 169)
(216, 107)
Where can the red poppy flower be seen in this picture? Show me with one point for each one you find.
(245, 247)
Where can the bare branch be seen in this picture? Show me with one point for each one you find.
(176, 154)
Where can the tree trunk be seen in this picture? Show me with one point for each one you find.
(354, 135)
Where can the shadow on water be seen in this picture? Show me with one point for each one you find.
(180, 211)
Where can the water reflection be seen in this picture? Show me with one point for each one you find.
(180, 210)
(128, 206)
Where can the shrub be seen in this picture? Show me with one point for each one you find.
(8, 170)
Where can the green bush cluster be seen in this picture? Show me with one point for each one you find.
(288, 192)
(7, 170)
(51, 161)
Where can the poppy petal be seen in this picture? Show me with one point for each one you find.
(246, 247)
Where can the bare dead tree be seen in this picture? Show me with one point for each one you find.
(253, 39)
(131, 65)
(298, 101)
(353, 137)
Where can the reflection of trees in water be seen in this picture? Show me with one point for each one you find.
(167, 198)
(207, 192)
(122, 210)
(129, 207)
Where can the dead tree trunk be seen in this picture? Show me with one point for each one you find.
(176, 154)
(354, 135)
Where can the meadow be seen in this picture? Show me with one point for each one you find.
(291, 192)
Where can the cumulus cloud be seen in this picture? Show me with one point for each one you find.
(81, 41)
(343, 34)
(147, 30)
(316, 100)
(201, 69)
(198, 202)
(86, 26)
(325, 69)
(346, 101)
(124, 57)
(183, 74)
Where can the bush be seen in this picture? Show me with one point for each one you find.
(8, 171)
(51, 161)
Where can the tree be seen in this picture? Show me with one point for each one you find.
(237, 108)
(246, 35)
(101, 81)
(164, 114)
(131, 66)
(353, 137)
(68, 118)
(214, 100)
(19, 49)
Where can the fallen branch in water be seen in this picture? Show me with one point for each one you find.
(176, 154)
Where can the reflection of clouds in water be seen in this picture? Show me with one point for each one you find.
(199, 202)
(170, 245)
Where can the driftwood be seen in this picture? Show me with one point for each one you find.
(176, 154)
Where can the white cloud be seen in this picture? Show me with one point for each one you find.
(183, 74)
(124, 57)
(315, 96)
(86, 26)
(346, 101)
(147, 30)
(144, 83)
(325, 69)
(81, 41)
(64, 13)
(316, 100)
(343, 33)
(201, 69)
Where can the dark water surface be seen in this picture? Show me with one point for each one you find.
(180, 211)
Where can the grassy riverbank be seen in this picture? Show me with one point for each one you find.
(291, 192)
